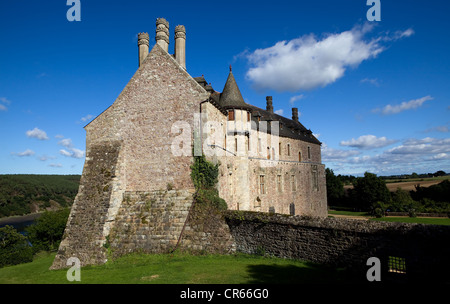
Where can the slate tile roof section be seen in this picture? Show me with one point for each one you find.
(231, 98)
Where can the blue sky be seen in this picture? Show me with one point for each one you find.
(375, 93)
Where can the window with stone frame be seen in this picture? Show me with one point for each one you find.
(309, 152)
(262, 185)
(315, 178)
(231, 115)
(293, 184)
(279, 184)
(288, 150)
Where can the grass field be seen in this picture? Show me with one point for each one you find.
(364, 215)
(410, 183)
(178, 269)
(417, 220)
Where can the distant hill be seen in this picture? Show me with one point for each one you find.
(24, 194)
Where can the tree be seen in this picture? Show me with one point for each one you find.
(46, 233)
(439, 173)
(14, 248)
(369, 191)
(335, 188)
(403, 202)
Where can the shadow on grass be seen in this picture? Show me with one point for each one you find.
(292, 274)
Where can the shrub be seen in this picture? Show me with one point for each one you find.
(211, 197)
(204, 174)
(14, 248)
(46, 233)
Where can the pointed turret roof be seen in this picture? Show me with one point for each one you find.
(231, 97)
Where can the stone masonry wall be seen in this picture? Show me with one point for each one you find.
(287, 180)
(152, 222)
(346, 243)
(84, 234)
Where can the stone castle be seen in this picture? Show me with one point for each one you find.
(136, 191)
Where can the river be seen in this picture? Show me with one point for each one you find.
(20, 223)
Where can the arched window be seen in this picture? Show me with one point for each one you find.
(299, 156)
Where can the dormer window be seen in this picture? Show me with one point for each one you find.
(231, 115)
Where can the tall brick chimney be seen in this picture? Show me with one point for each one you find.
(162, 33)
(180, 45)
(143, 44)
(269, 106)
(295, 114)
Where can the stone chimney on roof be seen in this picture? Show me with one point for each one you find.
(162, 33)
(180, 45)
(269, 106)
(143, 44)
(295, 114)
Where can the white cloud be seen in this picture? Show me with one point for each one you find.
(373, 81)
(295, 98)
(279, 112)
(425, 146)
(368, 142)
(37, 133)
(27, 152)
(443, 129)
(399, 35)
(87, 117)
(406, 105)
(66, 142)
(307, 62)
(45, 157)
(65, 153)
(412, 155)
(55, 165)
(59, 136)
(5, 100)
(77, 153)
(330, 154)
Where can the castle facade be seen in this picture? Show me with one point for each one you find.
(145, 143)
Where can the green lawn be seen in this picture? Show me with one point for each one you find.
(178, 269)
(418, 220)
(352, 213)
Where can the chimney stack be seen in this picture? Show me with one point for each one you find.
(162, 33)
(143, 43)
(295, 114)
(269, 106)
(180, 45)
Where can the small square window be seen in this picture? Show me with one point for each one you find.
(396, 264)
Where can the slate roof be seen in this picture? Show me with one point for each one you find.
(231, 98)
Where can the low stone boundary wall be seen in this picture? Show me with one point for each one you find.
(422, 252)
